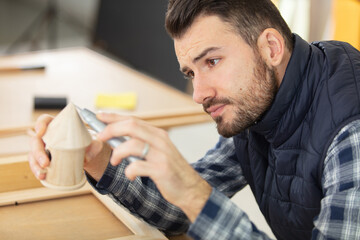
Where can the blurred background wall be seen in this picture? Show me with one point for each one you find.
(25, 24)
(316, 20)
(133, 32)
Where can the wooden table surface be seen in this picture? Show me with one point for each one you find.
(80, 74)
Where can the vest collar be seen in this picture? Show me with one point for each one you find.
(274, 124)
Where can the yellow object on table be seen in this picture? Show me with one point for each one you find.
(120, 101)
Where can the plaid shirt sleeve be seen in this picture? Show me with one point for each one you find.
(339, 217)
(142, 198)
(222, 219)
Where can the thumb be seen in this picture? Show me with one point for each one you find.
(93, 150)
(42, 123)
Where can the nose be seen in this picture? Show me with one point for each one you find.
(202, 89)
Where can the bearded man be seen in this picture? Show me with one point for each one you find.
(289, 116)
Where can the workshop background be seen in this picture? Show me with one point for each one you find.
(33, 25)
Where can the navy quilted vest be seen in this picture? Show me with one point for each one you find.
(282, 155)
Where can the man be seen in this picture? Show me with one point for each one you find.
(289, 116)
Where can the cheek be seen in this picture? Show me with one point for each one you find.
(237, 78)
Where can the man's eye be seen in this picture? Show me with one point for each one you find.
(213, 62)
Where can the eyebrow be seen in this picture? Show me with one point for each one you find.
(200, 56)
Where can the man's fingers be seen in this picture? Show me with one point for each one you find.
(42, 123)
(132, 147)
(38, 171)
(38, 152)
(38, 158)
(93, 150)
(111, 117)
(133, 128)
(138, 169)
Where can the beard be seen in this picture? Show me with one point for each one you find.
(249, 105)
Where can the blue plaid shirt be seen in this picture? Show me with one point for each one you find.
(339, 217)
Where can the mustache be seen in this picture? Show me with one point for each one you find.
(213, 101)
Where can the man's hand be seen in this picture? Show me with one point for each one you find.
(38, 159)
(96, 157)
(177, 181)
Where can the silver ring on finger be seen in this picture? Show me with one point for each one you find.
(145, 151)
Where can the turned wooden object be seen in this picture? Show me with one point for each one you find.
(66, 140)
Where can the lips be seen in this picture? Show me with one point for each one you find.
(215, 110)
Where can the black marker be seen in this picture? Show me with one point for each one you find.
(22, 68)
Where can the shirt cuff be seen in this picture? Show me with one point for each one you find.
(219, 219)
(109, 179)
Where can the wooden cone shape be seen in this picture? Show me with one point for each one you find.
(66, 139)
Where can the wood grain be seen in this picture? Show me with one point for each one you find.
(16, 174)
(77, 217)
(17, 205)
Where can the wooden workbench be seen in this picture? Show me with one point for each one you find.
(29, 211)
(80, 74)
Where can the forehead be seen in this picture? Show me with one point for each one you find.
(204, 32)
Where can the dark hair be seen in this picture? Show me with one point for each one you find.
(249, 17)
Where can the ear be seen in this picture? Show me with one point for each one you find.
(271, 47)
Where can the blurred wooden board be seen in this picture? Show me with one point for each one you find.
(30, 211)
(80, 74)
(40, 213)
(14, 140)
(78, 217)
(16, 174)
